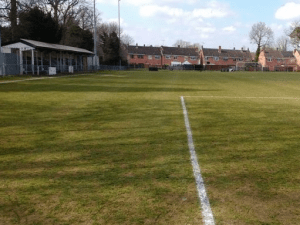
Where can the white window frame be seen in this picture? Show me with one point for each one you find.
(168, 57)
(149, 56)
(269, 59)
(216, 58)
(157, 56)
(194, 58)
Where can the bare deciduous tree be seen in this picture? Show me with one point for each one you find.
(127, 39)
(182, 43)
(261, 35)
(282, 43)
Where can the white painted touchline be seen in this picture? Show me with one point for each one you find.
(287, 98)
(208, 217)
(41, 78)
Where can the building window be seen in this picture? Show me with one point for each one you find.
(157, 57)
(240, 59)
(278, 60)
(168, 57)
(225, 58)
(132, 56)
(206, 58)
(234, 59)
(140, 56)
(193, 57)
(269, 59)
(216, 58)
(149, 56)
(175, 56)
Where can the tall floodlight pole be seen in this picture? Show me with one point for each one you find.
(119, 32)
(0, 39)
(95, 49)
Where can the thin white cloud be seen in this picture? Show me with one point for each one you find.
(229, 29)
(290, 10)
(215, 11)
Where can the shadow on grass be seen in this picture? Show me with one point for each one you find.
(108, 162)
(90, 88)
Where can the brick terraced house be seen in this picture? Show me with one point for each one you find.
(276, 60)
(224, 57)
(144, 56)
(148, 56)
(178, 55)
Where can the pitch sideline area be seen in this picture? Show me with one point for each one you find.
(230, 130)
(105, 150)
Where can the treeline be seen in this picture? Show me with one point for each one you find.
(66, 22)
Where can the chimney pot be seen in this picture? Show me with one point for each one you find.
(220, 49)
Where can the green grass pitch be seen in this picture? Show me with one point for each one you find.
(111, 148)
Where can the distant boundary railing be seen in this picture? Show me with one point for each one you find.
(15, 69)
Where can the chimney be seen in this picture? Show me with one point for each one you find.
(233, 48)
(144, 45)
(277, 49)
(178, 46)
(151, 46)
(248, 50)
(220, 49)
(201, 47)
(242, 49)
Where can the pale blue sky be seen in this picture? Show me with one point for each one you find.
(211, 23)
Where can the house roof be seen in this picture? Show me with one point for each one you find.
(271, 53)
(180, 51)
(227, 53)
(38, 44)
(144, 50)
(149, 50)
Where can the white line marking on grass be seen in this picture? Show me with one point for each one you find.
(285, 98)
(42, 78)
(208, 217)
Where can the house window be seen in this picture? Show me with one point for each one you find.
(240, 59)
(269, 59)
(278, 60)
(132, 56)
(234, 59)
(206, 58)
(175, 56)
(149, 56)
(186, 58)
(193, 58)
(140, 56)
(225, 58)
(216, 58)
(157, 57)
(168, 57)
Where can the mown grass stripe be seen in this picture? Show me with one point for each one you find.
(39, 78)
(208, 218)
(232, 97)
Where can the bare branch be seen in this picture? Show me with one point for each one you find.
(261, 35)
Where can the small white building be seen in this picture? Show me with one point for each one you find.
(37, 57)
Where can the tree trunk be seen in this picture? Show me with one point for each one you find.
(13, 18)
